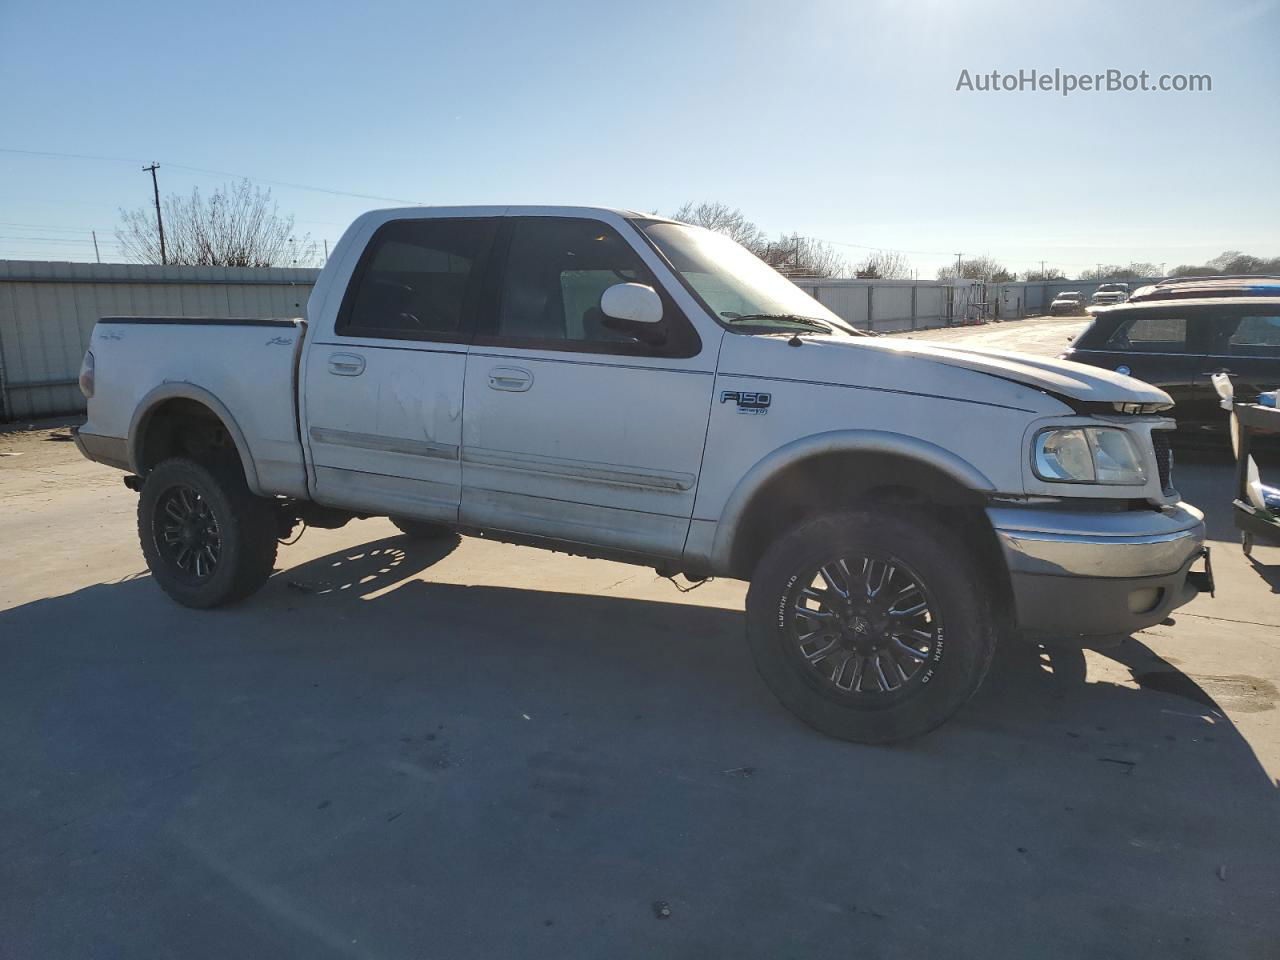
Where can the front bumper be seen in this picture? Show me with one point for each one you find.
(1079, 574)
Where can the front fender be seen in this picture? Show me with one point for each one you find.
(834, 441)
(181, 390)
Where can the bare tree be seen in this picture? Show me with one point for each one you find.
(237, 226)
(1052, 273)
(884, 265)
(1115, 271)
(1230, 262)
(795, 256)
(978, 268)
(791, 254)
(1233, 261)
(722, 218)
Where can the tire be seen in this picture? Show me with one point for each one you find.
(420, 529)
(841, 680)
(191, 506)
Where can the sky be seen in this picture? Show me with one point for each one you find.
(837, 120)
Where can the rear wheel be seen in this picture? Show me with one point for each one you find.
(207, 540)
(870, 628)
(420, 529)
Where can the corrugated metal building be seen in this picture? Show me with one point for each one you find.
(47, 311)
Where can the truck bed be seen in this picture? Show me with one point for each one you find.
(243, 369)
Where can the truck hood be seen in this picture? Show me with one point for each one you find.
(894, 363)
(1064, 378)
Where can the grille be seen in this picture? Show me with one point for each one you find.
(1164, 458)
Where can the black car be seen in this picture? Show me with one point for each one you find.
(1196, 288)
(1177, 344)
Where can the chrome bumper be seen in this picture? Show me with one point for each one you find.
(1077, 574)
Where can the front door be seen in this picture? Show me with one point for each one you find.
(383, 394)
(575, 431)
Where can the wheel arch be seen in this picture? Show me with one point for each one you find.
(177, 397)
(832, 470)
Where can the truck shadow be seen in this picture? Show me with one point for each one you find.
(359, 728)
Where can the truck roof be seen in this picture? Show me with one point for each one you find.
(508, 210)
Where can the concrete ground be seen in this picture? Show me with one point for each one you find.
(478, 750)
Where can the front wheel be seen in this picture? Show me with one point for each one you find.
(870, 628)
(207, 540)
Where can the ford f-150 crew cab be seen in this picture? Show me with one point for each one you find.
(618, 385)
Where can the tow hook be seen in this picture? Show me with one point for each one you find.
(1202, 580)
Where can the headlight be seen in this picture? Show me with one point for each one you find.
(1087, 455)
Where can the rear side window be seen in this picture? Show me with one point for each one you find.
(1151, 335)
(417, 280)
(1256, 336)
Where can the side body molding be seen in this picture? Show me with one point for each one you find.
(833, 441)
(181, 390)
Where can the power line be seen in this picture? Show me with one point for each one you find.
(214, 173)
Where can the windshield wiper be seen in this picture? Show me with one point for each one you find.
(785, 317)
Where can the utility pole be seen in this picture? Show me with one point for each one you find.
(1041, 269)
(96, 254)
(958, 266)
(326, 251)
(155, 186)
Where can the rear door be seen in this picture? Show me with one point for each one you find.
(574, 431)
(1253, 350)
(383, 393)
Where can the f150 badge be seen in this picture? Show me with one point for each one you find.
(755, 403)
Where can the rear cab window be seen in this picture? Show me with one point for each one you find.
(418, 280)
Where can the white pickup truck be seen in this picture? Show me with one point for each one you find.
(618, 385)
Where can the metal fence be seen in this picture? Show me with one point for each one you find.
(887, 305)
(47, 311)
(1010, 301)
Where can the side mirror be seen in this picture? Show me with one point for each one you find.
(632, 303)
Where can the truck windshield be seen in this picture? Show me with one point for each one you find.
(741, 291)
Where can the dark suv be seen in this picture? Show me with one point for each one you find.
(1196, 288)
(1178, 343)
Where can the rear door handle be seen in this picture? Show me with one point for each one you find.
(346, 364)
(514, 379)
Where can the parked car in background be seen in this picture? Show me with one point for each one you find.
(1178, 344)
(1066, 303)
(1191, 288)
(1111, 293)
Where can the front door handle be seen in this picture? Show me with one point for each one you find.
(515, 379)
(346, 364)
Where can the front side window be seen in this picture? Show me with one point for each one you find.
(417, 280)
(1151, 335)
(556, 271)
